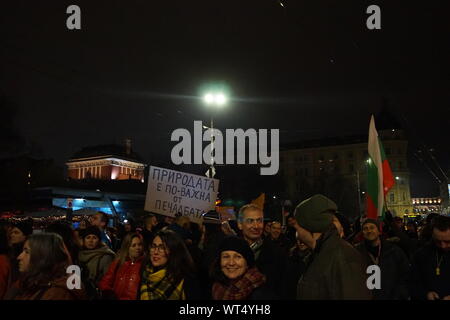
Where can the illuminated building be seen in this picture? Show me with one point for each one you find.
(108, 162)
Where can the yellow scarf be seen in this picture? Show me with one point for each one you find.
(158, 286)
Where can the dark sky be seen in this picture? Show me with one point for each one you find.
(310, 68)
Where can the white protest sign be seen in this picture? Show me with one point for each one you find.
(170, 192)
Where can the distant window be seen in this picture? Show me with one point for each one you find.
(392, 197)
(404, 196)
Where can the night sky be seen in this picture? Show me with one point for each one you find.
(135, 69)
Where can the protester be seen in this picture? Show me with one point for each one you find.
(101, 221)
(393, 263)
(68, 235)
(18, 233)
(169, 273)
(235, 275)
(277, 238)
(297, 263)
(270, 260)
(43, 264)
(95, 259)
(122, 279)
(267, 226)
(411, 230)
(150, 223)
(5, 264)
(430, 270)
(336, 270)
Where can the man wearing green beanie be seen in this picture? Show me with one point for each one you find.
(336, 270)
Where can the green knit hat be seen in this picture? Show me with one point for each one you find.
(311, 213)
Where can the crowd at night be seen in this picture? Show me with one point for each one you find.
(252, 150)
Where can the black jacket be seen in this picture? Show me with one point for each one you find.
(394, 266)
(423, 277)
(272, 262)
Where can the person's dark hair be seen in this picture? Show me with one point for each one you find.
(179, 260)
(68, 235)
(442, 223)
(49, 259)
(104, 218)
(148, 217)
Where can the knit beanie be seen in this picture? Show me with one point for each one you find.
(92, 230)
(373, 221)
(239, 245)
(312, 214)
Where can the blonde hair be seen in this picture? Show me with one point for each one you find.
(124, 252)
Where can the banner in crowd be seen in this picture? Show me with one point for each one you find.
(173, 192)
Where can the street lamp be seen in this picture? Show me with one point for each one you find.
(214, 99)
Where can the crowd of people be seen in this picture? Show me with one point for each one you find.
(319, 255)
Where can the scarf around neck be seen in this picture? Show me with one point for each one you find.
(157, 285)
(239, 289)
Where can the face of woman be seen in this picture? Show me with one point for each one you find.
(16, 236)
(233, 264)
(159, 253)
(91, 241)
(135, 250)
(24, 258)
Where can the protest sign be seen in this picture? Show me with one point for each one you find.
(173, 192)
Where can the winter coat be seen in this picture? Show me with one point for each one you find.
(123, 281)
(272, 262)
(336, 271)
(54, 290)
(296, 267)
(96, 261)
(394, 267)
(423, 277)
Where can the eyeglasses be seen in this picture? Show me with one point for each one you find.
(160, 247)
(252, 221)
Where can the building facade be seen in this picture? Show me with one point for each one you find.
(110, 162)
(338, 168)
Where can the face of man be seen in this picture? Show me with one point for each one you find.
(442, 239)
(267, 227)
(96, 220)
(370, 232)
(252, 224)
(275, 230)
(339, 227)
(291, 221)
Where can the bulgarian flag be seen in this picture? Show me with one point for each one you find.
(379, 175)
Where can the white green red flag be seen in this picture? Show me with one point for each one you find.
(379, 175)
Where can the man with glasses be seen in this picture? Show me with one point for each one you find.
(270, 260)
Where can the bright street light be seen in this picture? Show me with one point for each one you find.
(218, 99)
(397, 178)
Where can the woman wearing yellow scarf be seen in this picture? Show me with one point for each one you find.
(169, 272)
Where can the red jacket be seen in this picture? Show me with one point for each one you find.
(125, 281)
